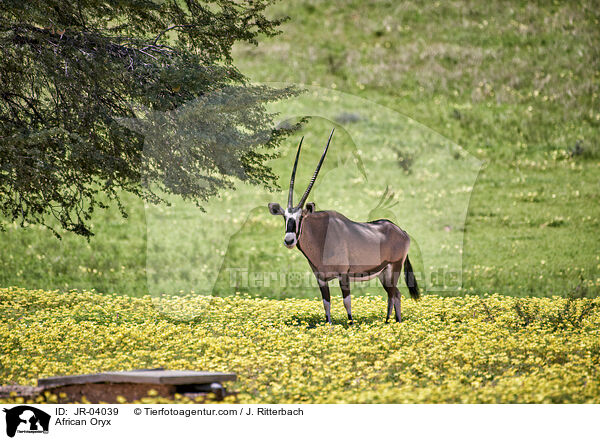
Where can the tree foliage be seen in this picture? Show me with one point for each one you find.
(73, 75)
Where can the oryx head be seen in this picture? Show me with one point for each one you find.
(293, 214)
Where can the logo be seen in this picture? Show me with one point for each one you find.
(26, 419)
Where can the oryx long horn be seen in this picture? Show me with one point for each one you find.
(291, 194)
(314, 177)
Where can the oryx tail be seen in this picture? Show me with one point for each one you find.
(411, 281)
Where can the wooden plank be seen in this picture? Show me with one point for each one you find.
(19, 390)
(57, 381)
(166, 377)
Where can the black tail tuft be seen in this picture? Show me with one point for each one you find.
(411, 281)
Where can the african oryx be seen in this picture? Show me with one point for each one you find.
(337, 247)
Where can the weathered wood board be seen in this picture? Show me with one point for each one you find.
(158, 376)
(132, 385)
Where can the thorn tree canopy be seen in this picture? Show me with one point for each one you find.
(72, 70)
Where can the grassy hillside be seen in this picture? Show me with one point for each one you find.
(514, 84)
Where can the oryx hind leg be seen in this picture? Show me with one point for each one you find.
(390, 307)
(389, 279)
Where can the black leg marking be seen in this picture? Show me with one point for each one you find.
(345, 286)
(326, 299)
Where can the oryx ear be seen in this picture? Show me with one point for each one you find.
(310, 207)
(275, 209)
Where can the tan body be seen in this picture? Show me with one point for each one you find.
(374, 245)
(339, 248)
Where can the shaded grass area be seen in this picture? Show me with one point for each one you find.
(113, 261)
(516, 84)
(495, 349)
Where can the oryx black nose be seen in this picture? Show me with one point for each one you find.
(288, 241)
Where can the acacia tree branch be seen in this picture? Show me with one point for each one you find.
(170, 28)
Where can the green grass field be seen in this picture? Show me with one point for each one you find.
(514, 84)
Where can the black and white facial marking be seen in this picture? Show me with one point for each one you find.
(291, 217)
(293, 214)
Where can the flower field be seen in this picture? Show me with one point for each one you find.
(494, 349)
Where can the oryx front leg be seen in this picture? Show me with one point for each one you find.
(324, 287)
(345, 286)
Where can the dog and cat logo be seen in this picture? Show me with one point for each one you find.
(26, 419)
